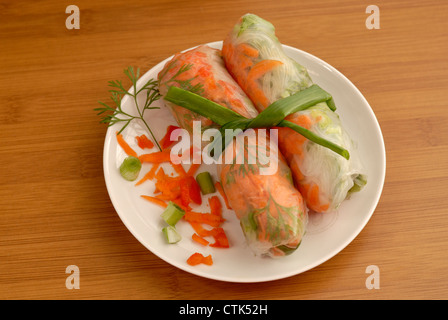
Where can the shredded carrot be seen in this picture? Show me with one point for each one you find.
(178, 201)
(179, 169)
(193, 168)
(200, 230)
(168, 186)
(205, 218)
(215, 206)
(190, 191)
(166, 141)
(218, 187)
(313, 195)
(248, 50)
(221, 240)
(156, 157)
(261, 68)
(155, 200)
(129, 151)
(199, 239)
(143, 142)
(149, 175)
(257, 95)
(257, 71)
(197, 258)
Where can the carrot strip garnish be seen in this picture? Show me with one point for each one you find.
(190, 191)
(215, 206)
(218, 187)
(193, 168)
(205, 218)
(197, 258)
(124, 145)
(166, 141)
(155, 200)
(149, 175)
(199, 239)
(248, 50)
(221, 240)
(143, 142)
(156, 157)
(261, 68)
(179, 169)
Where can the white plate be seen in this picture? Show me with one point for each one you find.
(326, 235)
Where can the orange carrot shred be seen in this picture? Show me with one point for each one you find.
(179, 169)
(221, 240)
(156, 157)
(143, 142)
(166, 141)
(199, 239)
(205, 218)
(197, 258)
(193, 168)
(149, 175)
(215, 206)
(261, 68)
(218, 187)
(200, 230)
(129, 151)
(155, 200)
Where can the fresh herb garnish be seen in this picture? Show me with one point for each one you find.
(115, 114)
(183, 84)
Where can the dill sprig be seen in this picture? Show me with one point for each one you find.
(115, 114)
(183, 84)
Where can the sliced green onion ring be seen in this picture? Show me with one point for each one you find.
(171, 234)
(172, 214)
(205, 182)
(130, 168)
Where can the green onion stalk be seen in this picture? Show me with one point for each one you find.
(273, 116)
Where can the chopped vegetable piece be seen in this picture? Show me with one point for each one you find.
(193, 168)
(190, 191)
(205, 182)
(218, 186)
(172, 214)
(179, 169)
(156, 157)
(221, 240)
(199, 239)
(200, 230)
(143, 142)
(206, 218)
(197, 258)
(171, 234)
(215, 206)
(130, 168)
(166, 141)
(129, 151)
(149, 175)
(168, 186)
(155, 200)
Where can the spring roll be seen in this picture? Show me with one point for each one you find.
(270, 209)
(255, 58)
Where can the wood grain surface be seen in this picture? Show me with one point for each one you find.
(54, 207)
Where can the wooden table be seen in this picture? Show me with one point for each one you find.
(55, 209)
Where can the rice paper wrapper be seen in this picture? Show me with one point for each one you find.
(255, 58)
(272, 213)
